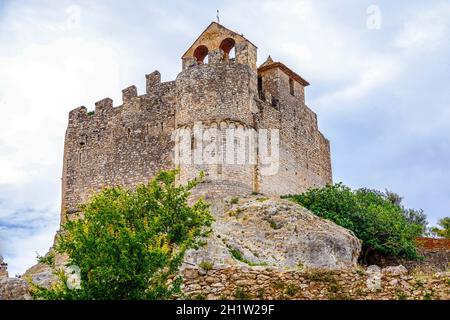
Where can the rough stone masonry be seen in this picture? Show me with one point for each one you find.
(128, 144)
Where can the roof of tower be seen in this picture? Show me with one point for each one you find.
(213, 35)
(270, 64)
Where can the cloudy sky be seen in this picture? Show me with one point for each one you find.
(379, 70)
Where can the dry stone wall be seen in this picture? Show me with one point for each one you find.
(395, 283)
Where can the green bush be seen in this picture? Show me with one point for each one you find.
(375, 219)
(131, 242)
(444, 231)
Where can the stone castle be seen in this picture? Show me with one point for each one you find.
(128, 144)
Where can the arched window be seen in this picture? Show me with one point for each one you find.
(200, 53)
(227, 45)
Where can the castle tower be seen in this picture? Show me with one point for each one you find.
(219, 91)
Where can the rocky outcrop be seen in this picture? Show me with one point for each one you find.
(273, 232)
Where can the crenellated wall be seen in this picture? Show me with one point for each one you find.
(122, 145)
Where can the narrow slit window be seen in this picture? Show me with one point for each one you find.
(291, 87)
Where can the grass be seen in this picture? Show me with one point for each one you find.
(321, 276)
(242, 294)
(261, 293)
(335, 288)
(400, 295)
(236, 254)
(340, 296)
(262, 199)
(419, 284)
(292, 290)
(233, 213)
(206, 265)
(90, 113)
(360, 271)
(234, 200)
(273, 224)
(428, 295)
(279, 285)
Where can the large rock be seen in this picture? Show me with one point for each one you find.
(395, 271)
(275, 232)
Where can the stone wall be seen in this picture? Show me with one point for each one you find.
(14, 289)
(358, 283)
(125, 145)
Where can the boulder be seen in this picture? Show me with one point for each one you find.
(395, 271)
(44, 279)
(275, 232)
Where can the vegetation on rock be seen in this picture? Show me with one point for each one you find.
(376, 218)
(130, 243)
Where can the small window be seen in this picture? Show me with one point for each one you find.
(291, 87)
(274, 102)
(260, 89)
(227, 46)
(201, 53)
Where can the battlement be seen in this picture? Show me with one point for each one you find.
(105, 108)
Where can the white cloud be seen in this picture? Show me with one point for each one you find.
(376, 72)
(40, 81)
(427, 30)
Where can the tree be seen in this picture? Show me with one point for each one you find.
(130, 243)
(372, 215)
(415, 216)
(444, 231)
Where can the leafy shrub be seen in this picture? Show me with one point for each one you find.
(131, 242)
(444, 231)
(372, 215)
